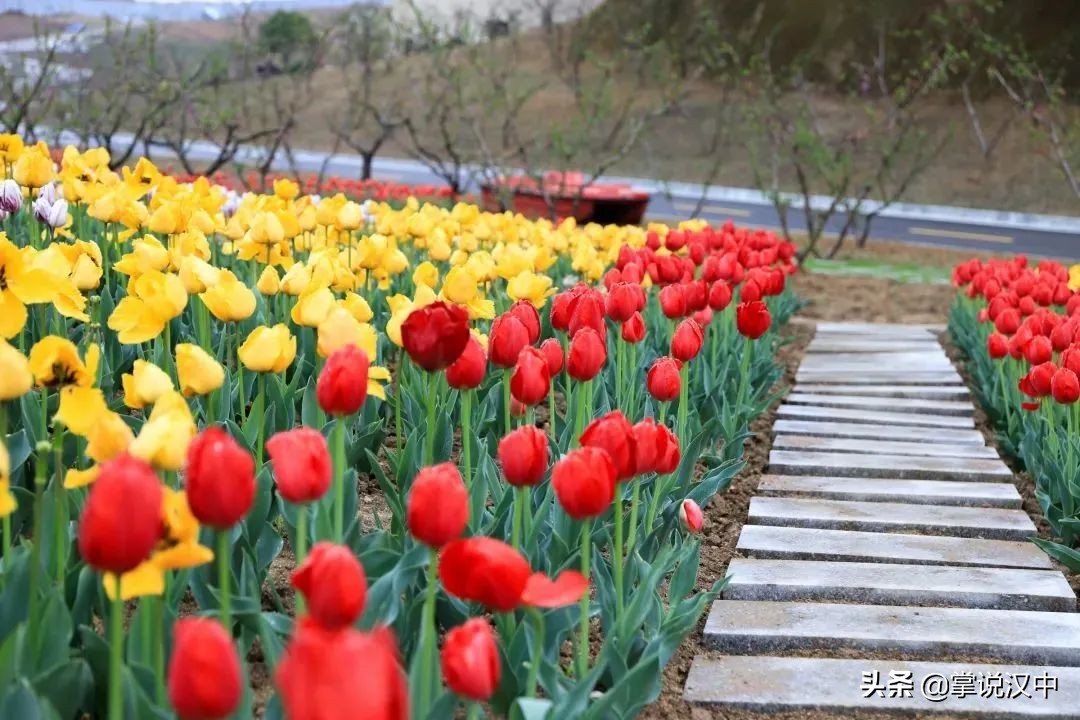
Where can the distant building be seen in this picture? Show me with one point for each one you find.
(173, 10)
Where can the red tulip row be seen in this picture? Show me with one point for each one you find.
(495, 536)
(1020, 326)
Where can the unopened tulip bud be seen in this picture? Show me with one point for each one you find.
(690, 516)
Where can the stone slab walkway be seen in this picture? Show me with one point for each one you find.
(887, 528)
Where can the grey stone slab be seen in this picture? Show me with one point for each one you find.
(928, 392)
(936, 360)
(791, 543)
(914, 405)
(779, 684)
(876, 431)
(811, 412)
(902, 467)
(833, 344)
(899, 584)
(891, 447)
(994, 523)
(919, 492)
(1019, 636)
(879, 377)
(870, 329)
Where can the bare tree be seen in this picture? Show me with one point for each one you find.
(28, 80)
(371, 113)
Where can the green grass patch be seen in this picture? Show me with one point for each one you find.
(900, 272)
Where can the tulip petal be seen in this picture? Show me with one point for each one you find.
(567, 589)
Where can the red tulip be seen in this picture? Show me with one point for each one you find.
(673, 301)
(1007, 322)
(301, 462)
(588, 313)
(1040, 379)
(523, 455)
(342, 385)
(508, 337)
(219, 479)
(553, 354)
(587, 355)
(525, 312)
(622, 302)
(341, 674)
(691, 516)
(470, 660)
(484, 570)
(584, 482)
(656, 449)
(687, 340)
(435, 335)
(753, 319)
(531, 379)
(703, 317)
(467, 372)
(1071, 358)
(633, 330)
(496, 575)
(205, 682)
(1061, 337)
(1038, 350)
(997, 346)
(663, 380)
(121, 521)
(613, 434)
(562, 307)
(334, 585)
(1064, 387)
(438, 507)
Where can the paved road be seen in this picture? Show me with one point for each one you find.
(985, 230)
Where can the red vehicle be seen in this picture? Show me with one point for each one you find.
(562, 195)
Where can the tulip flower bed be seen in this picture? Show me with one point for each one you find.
(311, 184)
(1020, 329)
(194, 389)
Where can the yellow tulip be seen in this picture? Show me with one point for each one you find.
(197, 371)
(358, 307)
(15, 376)
(154, 299)
(34, 168)
(229, 300)
(350, 216)
(313, 307)
(11, 147)
(286, 189)
(147, 253)
(54, 362)
(179, 549)
(81, 408)
(532, 287)
(340, 328)
(109, 437)
(268, 349)
(23, 285)
(8, 504)
(268, 284)
(164, 437)
(426, 274)
(197, 275)
(296, 280)
(144, 385)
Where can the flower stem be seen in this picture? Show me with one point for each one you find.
(39, 533)
(617, 553)
(116, 657)
(473, 711)
(581, 411)
(583, 630)
(260, 417)
(658, 484)
(339, 480)
(521, 499)
(429, 439)
(397, 409)
(300, 548)
(635, 501)
(159, 644)
(506, 402)
(428, 640)
(60, 521)
(684, 403)
(466, 435)
(538, 651)
(744, 375)
(224, 579)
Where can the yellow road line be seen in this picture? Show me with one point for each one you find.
(959, 235)
(713, 209)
